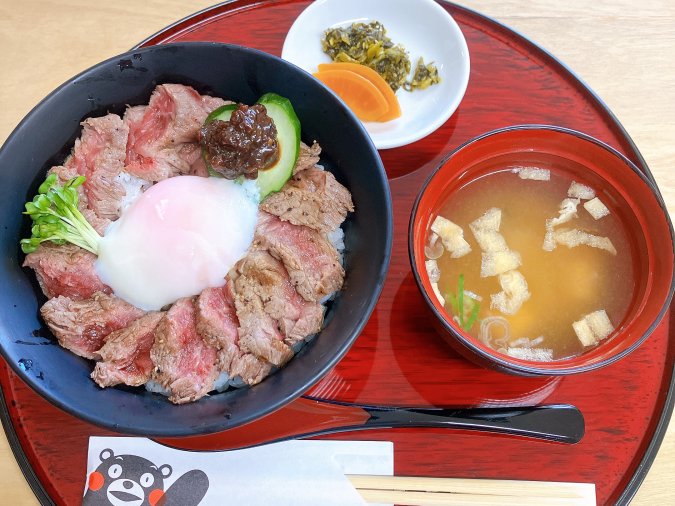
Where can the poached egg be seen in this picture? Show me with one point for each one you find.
(181, 236)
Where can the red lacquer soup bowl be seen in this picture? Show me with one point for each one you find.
(619, 184)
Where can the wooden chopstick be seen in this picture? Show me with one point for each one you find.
(414, 491)
(402, 498)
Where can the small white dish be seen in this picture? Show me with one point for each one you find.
(423, 27)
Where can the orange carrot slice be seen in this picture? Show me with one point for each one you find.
(373, 77)
(362, 96)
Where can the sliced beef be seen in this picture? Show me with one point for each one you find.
(82, 325)
(64, 174)
(226, 356)
(66, 270)
(308, 157)
(218, 324)
(126, 353)
(199, 168)
(133, 119)
(264, 277)
(251, 369)
(216, 318)
(163, 135)
(259, 333)
(98, 224)
(186, 365)
(313, 198)
(210, 104)
(311, 260)
(99, 155)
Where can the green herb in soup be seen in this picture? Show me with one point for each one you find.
(467, 302)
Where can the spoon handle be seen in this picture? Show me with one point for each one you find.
(307, 417)
(561, 423)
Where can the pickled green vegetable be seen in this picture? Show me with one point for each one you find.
(425, 76)
(369, 46)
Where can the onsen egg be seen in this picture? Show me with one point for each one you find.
(182, 235)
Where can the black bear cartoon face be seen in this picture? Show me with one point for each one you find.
(126, 480)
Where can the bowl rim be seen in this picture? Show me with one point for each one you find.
(512, 364)
(281, 400)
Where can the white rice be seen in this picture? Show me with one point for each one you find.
(337, 239)
(237, 382)
(152, 386)
(222, 383)
(251, 189)
(134, 187)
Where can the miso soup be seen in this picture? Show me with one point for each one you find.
(536, 268)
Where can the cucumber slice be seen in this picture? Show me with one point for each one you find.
(223, 113)
(288, 135)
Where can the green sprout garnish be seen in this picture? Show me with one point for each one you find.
(458, 302)
(56, 217)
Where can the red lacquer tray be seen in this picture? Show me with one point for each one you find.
(399, 360)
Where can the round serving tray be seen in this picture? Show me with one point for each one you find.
(399, 359)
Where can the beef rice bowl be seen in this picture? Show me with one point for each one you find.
(285, 265)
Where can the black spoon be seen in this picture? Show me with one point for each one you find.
(562, 423)
(308, 417)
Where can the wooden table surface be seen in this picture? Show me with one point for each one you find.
(623, 49)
